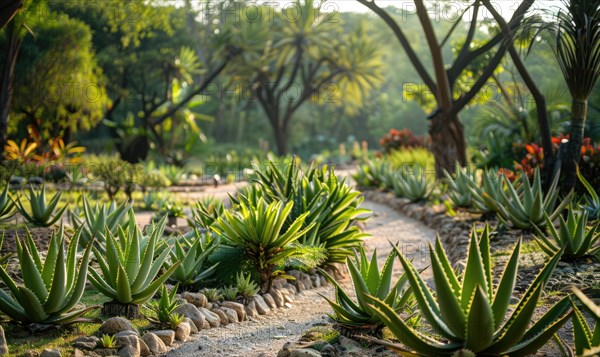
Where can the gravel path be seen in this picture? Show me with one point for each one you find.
(266, 335)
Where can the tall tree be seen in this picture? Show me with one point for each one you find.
(23, 23)
(447, 132)
(303, 55)
(577, 33)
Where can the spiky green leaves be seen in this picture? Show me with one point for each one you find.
(192, 254)
(367, 279)
(164, 306)
(51, 288)
(459, 186)
(6, 205)
(130, 265)
(41, 214)
(98, 219)
(412, 185)
(524, 205)
(572, 237)
(469, 312)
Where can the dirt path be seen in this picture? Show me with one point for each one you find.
(266, 335)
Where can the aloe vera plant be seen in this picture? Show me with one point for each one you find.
(164, 306)
(6, 205)
(98, 218)
(129, 267)
(367, 279)
(42, 214)
(258, 231)
(192, 253)
(51, 287)
(412, 185)
(587, 339)
(467, 313)
(491, 190)
(591, 202)
(459, 186)
(573, 237)
(525, 205)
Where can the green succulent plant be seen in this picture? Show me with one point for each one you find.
(212, 294)
(163, 307)
(412, 185)
(468, 313)
(587, 339)
(42, 214)
(257, 230)
(175, 320)
(573, 237)
(246, 288)
(173, 173)
(591, 201)
(154, 200)
(525, 205)
(491, 190)
(7, 205)
(4, 258)
(129, 266)
(98, 218)
(230, 293)
(192, 253)
(367, 279)
(459, 186)
(206, 212)
(107, 341)
(51, 287)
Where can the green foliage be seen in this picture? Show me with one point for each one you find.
(107, 341)
(4, 258)
(459, 186)
(173, 173)
(367, 279)
(587, 340)
(491, 190)
(524, 205)
(130, 264)
(175, 320)
(212, 294)
(163, 307)
(42, 214)
(467, 313)
(7, 205)
(258, 231)
(412, 184)
(246, 288)
(193, 254)
(230, 293)
(591, 200)
(573, 238)
(52, 287)
(154, 200)
(115, 174)
(97, 219)
(206, 212)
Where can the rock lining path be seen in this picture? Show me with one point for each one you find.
(266, 335)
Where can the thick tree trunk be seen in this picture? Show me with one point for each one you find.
(6, 86)
(573, 152)
(448, 143)
(281, 140)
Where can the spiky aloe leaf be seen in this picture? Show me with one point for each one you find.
(480, 328)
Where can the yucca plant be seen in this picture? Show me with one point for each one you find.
(97, 219)
(257, 230)
(525, 205)
(459, 186)
(192, 253)
(412, 185)
(367, 279)
(573, 237)
(129, 268)
(591, 202)
(7, 205)
(42, 214)
(491, 190)
(51, 287)
(468, 313)
(163, 307)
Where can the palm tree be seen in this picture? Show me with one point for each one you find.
(578, 53)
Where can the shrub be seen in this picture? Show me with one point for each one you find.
(401, 139)
(51, 287)
(467, 314)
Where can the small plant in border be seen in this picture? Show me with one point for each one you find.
(42, 214)
(164, 306)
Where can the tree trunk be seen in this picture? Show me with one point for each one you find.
(6, 86)
(281, 140)
(573, 152)
(448, 143)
